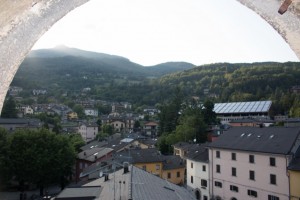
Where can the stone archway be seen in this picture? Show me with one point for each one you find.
(22, 23)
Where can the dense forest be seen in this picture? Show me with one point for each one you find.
(115, 78)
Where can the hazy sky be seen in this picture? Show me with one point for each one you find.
(149, 32)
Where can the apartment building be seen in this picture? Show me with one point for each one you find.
(197, 166)
(88, 131)
(251, 163)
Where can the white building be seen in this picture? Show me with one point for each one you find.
(197, 166)
(91, 112)
(27, 110)
(251, 163)
(88, 131)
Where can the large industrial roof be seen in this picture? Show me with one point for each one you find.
(243, 107)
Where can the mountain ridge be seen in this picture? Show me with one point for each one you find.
(63, 51)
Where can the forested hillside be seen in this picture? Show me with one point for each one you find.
(117, 79)
(226, 82)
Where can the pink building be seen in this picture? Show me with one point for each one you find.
(251, 163)
(88, 131)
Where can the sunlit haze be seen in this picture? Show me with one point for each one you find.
(150, 32)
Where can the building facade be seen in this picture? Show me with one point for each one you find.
(88, 131)
(251, 163)
(197, 168)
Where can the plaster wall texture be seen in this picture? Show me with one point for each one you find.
(262, 170)
(198, 174)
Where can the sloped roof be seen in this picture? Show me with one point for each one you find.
(94, 153)
(20, 121)
(151, 124)
(93, 144)
(276, 140)
(86, 193)
(198, 153)
(243, 107)
(139, 184)
(139, 156)
(172, 162)
(147, 186)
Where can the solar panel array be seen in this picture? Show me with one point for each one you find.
(243, 107)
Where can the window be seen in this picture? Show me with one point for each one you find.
(192, 165)
(233, 156)
(205, 197)
(271, 197)
(203, 183)
(273, 179)
(234, 188)
(251, 158)
(233, 198)
(252, 193)
(178, 174)
(251, 175)
(218, 184)
(218, 154)
(169, 174)
(192, 179)
(203, 168)
(272, 162)
(233, 171)
(218, 168)
(157, 167)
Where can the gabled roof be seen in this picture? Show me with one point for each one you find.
(80, 193)
(151, 124)
(93, 144)
(275, 140)
(139, 184)
(198, 153)
(139, 156)
(172, 162)
(94, 153)
(182, 145)
(118, 144)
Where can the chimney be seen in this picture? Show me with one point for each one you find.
(126, 167)
(106, 177)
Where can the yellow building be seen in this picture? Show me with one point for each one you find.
(174, 172)
(72, 115)
(294, 173)
(151, 167)
(170, 168)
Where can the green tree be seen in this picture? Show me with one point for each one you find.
(9, 109)
(79, 110)
(209, 116)
(106, 128)
(76, 141)
(3, 160)
(40, 157)
(169, 115)
(162, 144)
(137, 124)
